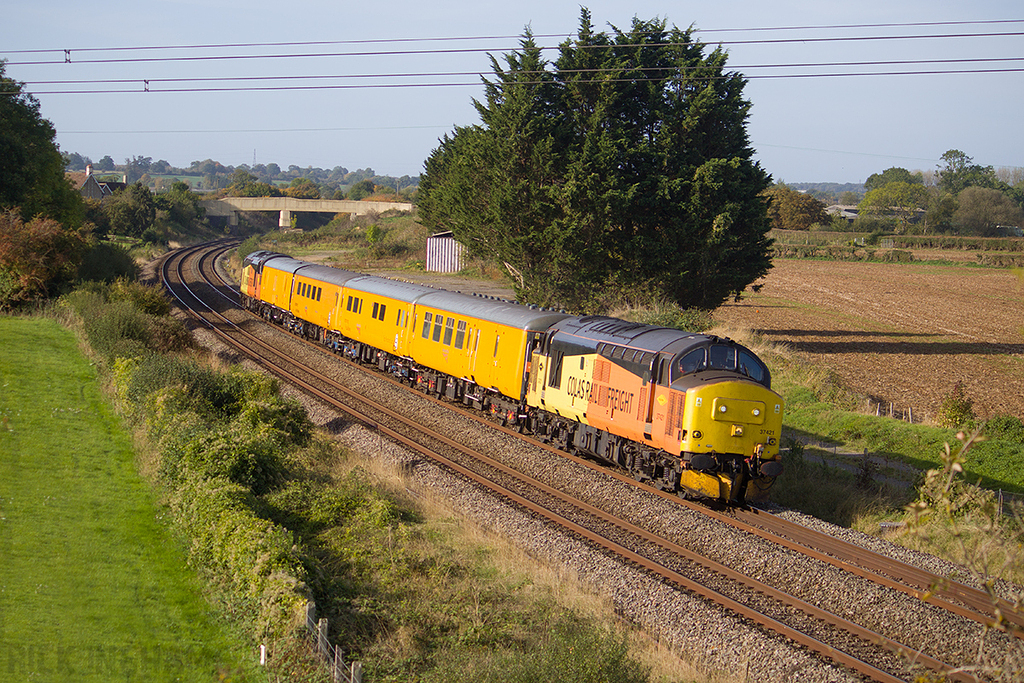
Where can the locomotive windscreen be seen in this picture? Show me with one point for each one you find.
(729, 357)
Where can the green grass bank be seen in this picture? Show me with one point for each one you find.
(93, 585)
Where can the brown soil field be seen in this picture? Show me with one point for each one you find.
(899, 333)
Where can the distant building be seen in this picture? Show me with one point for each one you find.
(444, 254)
(847, 211)
(90, 187)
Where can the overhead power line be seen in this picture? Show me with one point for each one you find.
(368, 41)
(467, 50)
(147, 85)
(561, 72)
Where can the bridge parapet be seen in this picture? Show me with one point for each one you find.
(230, 206)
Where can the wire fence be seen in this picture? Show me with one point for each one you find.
(331, 655)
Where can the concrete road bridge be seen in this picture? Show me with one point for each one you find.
(285, 206)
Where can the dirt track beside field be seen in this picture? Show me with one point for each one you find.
(901, 333)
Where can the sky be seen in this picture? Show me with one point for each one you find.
(804, 128)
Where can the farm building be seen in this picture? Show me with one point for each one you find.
(444, 254)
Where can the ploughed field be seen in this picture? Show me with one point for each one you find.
(900, 333)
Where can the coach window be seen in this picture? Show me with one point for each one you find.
(348, 305)
(427, 317)
(376, 309)
(438, 324)
(449, 329)
(383, 311)
(319, 291)
(460, 334)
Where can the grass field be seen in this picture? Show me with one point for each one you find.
(92, 585)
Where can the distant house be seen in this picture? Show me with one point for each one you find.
(847, 211)
(89, 186)
(444, 254)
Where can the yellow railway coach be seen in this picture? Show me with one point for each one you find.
(428, 335)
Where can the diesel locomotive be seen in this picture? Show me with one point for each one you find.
(687, 413)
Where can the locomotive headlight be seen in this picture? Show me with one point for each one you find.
(756, 412)
(722, 409)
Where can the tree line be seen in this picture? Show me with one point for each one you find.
(211, 175)
(958, 198)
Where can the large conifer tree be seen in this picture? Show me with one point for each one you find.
(624, 164)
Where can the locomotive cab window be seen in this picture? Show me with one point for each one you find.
(753, 368)
(722, 357)
(692, 362)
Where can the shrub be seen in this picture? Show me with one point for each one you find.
(120, 331)
(957, 410)
(107, 262)
(897, 256)
(1005, 427)
(252, 458)
(286, 417)
(258, 558)
(127, 319)
(146, 298)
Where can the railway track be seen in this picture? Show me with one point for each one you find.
(871, 654)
